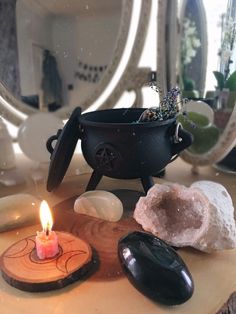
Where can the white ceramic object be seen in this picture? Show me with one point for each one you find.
(100, 204)
(7, 156)
(18, 210)
(201, 216)
(34, 133)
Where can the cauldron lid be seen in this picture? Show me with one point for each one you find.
(62, 153)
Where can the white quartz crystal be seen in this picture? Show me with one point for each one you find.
(100, 204)
(18, 210)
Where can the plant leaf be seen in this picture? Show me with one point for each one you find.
(195, 117)
(220, 80)
(231, 82)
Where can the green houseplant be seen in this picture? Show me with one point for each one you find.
(228, 84)
(190, 43)
(226, 81)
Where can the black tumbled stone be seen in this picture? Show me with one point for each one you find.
(155, 268)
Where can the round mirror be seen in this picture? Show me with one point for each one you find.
(206, 74)
(61, 55)
(56, 55)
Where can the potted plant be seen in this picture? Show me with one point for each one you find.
(226, 88)
(226, 81)
(190, 43)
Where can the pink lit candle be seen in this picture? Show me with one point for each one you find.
(46, 240)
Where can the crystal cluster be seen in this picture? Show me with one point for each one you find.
(201, 216)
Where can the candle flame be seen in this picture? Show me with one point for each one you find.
(45, 217)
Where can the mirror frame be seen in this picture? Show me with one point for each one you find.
(133, 78)
(204, 40)
(225, 144)
(227, 139)
(167, 45)
(161, 48)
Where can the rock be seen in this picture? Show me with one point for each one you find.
(100, 204)
(201, 216)
(11, 177)
(155, 269)
(220, 230)
(18, 210)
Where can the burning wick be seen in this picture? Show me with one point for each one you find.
(46, 240)
(47, 229)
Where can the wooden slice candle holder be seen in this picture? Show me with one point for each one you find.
(22, 269)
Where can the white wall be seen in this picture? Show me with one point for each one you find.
(32, 28)
(71, 38)
(85, 38)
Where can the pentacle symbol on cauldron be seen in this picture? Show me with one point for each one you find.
(106, 156)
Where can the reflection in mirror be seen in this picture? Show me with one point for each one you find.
(207, 71)
(193, 48)
(207, 53)
(57, 51)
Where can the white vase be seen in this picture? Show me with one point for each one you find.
(7, 156)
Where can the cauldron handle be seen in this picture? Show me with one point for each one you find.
(51, 140)
(69, 131)
(183, 139)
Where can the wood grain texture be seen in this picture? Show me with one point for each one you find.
(22, 268)
(102, 235)
(214, 274)
(230, 306)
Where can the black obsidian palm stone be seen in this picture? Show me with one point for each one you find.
(155, 268)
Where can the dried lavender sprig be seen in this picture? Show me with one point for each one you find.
(168, 108)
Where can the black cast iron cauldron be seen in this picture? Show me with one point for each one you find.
(115, 145)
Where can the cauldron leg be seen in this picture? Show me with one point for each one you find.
(147, 182)
(93, 181)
